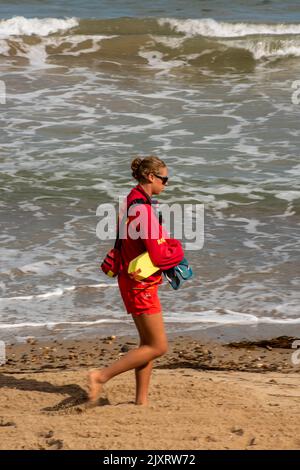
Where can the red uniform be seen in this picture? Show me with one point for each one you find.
(165, 252)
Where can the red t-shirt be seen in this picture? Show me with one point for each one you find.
(144, 233)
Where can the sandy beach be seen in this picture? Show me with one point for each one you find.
(203, 396)
(213, 90)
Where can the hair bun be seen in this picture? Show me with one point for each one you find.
(135, 164)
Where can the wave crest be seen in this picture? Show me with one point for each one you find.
(211, 28)
(20, 26)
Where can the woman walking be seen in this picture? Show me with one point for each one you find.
(140, 297)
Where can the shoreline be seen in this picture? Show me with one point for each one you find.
(189, 351)
(219, 333)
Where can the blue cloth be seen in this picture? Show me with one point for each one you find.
(180, 273)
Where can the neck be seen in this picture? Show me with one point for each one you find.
(147, 188)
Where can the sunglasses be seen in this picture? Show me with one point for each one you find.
(164, 179)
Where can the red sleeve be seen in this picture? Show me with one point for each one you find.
(165, 252)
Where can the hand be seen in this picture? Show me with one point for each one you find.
(134, 274)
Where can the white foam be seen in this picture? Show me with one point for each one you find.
(240, 88)
(212, 28)
(267, 49)
(52, 325)
(227, 189)
(75, 40)
(294, 171)
(37, 54)
(251, 224)
(4, 47)
(18, 26)
(226, 317)
(289, 308)
(251, 244)
(55, 293)
(262, 48)
(171, 42)
(2, 286)
(268, 319)
(288, 195)
(40, 267)
(155, 61)
(206, 318)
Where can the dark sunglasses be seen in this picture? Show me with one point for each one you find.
(164, 179)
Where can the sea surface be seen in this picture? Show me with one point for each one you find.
(212, 88)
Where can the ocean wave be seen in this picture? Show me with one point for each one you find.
(163, 43)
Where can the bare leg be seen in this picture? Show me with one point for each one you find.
(142, 378)
(142, 373)
(156, 345)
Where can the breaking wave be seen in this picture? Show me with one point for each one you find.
(158, 43)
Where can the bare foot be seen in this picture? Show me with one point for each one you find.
(95, 385)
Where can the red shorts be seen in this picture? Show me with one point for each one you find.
(139, 300)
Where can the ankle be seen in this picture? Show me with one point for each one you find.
(99, 376)
(141, 402)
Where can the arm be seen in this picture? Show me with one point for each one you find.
(165, 252)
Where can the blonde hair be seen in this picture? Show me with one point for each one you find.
(142, 167)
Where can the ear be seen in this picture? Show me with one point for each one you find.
(151, 177)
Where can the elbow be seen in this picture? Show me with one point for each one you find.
(155, 259)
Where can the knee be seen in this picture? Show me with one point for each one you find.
(161, 349)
